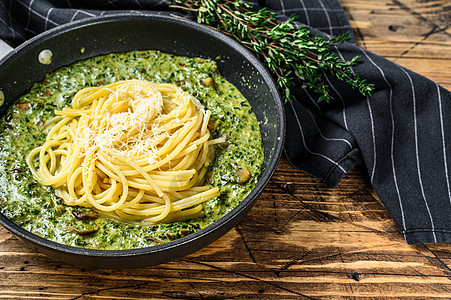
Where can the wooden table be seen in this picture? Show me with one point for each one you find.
(301, 239)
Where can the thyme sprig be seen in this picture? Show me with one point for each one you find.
(288, 51)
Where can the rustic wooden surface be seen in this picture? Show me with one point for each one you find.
(301, 239)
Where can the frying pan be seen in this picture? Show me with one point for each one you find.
(124, 32)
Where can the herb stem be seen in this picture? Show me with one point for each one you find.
(287, 50)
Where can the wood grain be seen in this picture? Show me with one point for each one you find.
(301, 239)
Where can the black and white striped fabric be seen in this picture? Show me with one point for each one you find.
(402, 134)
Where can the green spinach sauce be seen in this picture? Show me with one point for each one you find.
(37, 209)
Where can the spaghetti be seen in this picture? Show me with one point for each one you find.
(133, 150)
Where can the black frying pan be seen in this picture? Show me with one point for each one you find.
(119, 33)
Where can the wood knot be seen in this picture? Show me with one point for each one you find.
(395, 28)
(357, 276)
(287, 186)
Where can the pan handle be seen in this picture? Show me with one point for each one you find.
(4, 48)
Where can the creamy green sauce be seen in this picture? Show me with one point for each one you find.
(37, 209)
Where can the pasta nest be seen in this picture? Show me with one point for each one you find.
(133, 150)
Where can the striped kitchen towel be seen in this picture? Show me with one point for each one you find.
(402, 134)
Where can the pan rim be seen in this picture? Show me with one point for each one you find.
(203, 233)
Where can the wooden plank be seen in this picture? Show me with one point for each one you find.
(412, 33)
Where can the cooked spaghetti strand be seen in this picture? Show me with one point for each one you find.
(134, 150)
